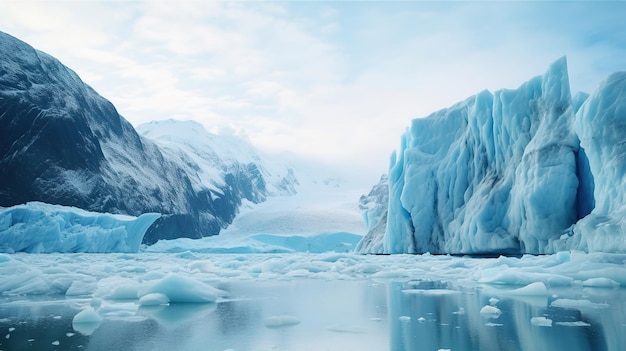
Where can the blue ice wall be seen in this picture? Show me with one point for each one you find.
(42, 228)
(512, 172)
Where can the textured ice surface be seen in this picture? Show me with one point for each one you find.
(529, 170)
(38, 227)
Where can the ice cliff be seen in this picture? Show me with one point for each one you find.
(530, 170)
(42, 228)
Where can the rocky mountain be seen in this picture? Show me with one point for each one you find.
(62, 143)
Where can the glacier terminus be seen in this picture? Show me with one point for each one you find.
(532, 170)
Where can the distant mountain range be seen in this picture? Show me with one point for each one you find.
(62, 143)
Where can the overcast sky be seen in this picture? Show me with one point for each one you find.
(339, 81)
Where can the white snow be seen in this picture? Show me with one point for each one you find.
(211, 155)
(319, 218)
(40, 228)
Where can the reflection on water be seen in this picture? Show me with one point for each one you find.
(423, 318)
(330, 315)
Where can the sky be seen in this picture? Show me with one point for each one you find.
(337, 82)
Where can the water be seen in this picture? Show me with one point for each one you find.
(317, 314)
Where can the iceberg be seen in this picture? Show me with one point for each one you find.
(38, 227)
(530, 170)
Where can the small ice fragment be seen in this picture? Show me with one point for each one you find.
(601, 283)
(376, 319)
(461, 311)
(569, 303)
(281, 321)
(88, 315)
(404, 318)
(444, 350)
(541, 321)
(490, 324)
(7, 336)
(349, 329)
(69, 335)
(574, 324)
(532, 289)
(421, 319)
(56, 343)
(57, 317)
(490, 311)
(493, 301)
(11, 329)
(154, 299)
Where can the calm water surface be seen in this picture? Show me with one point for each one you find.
(330, 315)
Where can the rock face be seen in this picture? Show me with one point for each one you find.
(62, 143)
(530, 170)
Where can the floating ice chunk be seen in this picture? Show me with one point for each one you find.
(493, 301)
(404, 318)
(56, 343)
(431, 291)
(86, 321)
(349, 329)
(84, 286)
(281, 321)
(88, 315)
(489, 311)
(601, 283)
(574, 324)
(533, 289)
(154, 299)
(421, 319)
(182, 289)
(461, 311)
(541, 321)
(577, 304)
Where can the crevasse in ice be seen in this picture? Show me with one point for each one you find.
(529, 170)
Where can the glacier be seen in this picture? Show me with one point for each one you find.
(38, 227)
(530, 170)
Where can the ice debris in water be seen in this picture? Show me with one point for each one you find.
(281, 321)
(490, 311)
(88, 315)
(541, 322)
(180, 289)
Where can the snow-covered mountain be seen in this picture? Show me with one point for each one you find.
(62, 143)
(530, 170)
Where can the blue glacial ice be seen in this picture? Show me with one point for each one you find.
(530, 170)
(41, 228)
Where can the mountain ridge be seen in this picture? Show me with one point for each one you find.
(62, 143)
